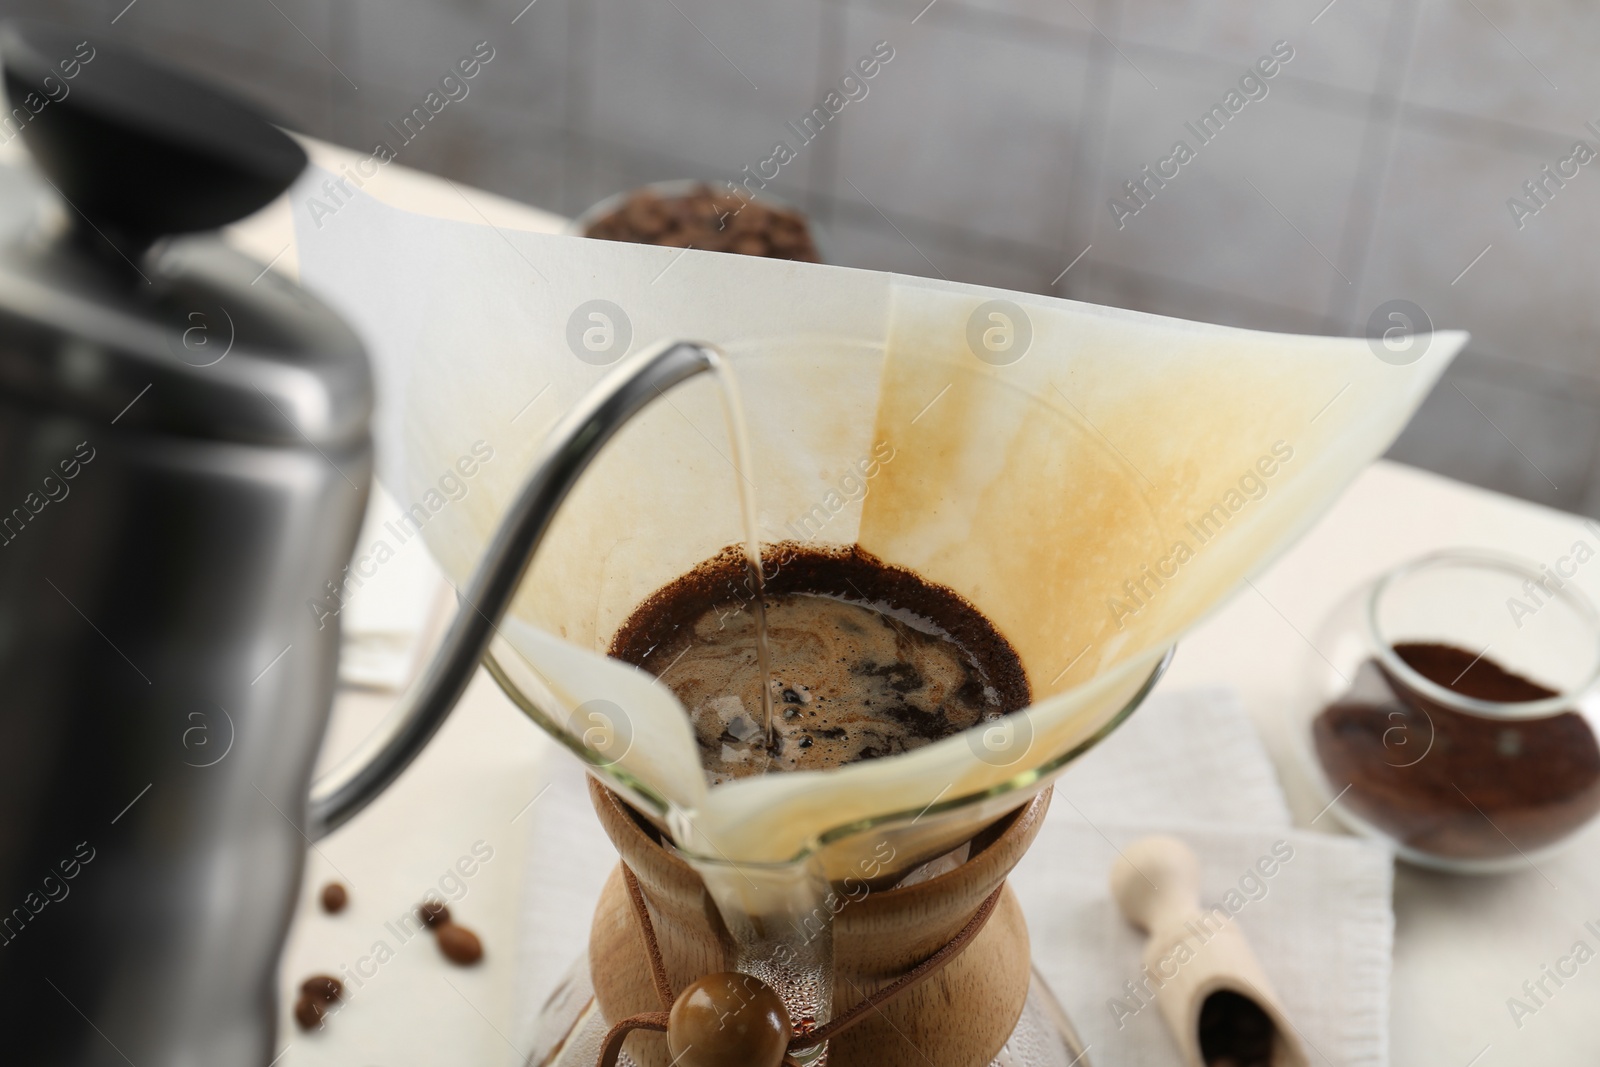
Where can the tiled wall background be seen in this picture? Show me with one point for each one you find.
(1378, 165)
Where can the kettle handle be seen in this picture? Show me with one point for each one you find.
(566, 453)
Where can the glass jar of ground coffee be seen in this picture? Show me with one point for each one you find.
(1452, 709)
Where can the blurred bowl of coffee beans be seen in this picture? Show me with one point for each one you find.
(696, 214)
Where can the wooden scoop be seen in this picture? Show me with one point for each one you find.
(1195, 956)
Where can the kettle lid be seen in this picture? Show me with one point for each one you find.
(119, 302)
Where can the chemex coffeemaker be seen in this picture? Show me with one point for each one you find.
(185, 451)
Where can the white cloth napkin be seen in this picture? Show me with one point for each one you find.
(1188, 764)
(1321, 927)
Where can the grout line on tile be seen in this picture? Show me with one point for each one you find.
(578, 165)
(1089, 140)
(823, 169)
(1478, 130)
(919, 228)
(954, 14)
(1223, 300)
(1376, 161)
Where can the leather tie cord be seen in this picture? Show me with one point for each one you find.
(656, 1021)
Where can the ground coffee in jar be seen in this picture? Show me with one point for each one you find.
(1448, 783)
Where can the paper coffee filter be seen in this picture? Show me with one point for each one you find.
(1093, 480)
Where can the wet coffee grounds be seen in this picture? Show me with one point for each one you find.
(868, 660)
(1452, 784)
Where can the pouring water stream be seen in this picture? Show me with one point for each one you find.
(738, 433)
(777, 913)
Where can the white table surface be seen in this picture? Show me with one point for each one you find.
(1463, 945)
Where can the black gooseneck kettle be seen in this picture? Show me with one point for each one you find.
(184, 462)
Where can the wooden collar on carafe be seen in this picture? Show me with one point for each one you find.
(656, 1021)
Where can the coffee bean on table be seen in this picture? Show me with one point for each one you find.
(322, 987)
(433, 913)
(460, 945)
(308, 1012)
(334, 898)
